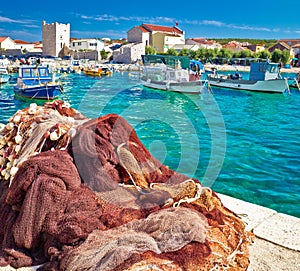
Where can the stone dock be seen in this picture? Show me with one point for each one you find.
(277, 236)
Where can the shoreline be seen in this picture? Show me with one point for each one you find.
(276, 245)
(226, 67)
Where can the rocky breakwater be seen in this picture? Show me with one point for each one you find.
(85, 194)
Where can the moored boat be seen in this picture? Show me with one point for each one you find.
(4, 76)
(264, 77)
(92, 71)
(97, 70)
(36, 82)
(171, 73)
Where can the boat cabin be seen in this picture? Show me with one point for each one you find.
(261, 71)
(31, 74)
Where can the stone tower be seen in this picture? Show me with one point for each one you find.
(54, 36)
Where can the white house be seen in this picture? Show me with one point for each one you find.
(179, 47)
(204, 43)
(6, 43)
(129, 53)
(160, 37)
(55, 36)
(87, 44)
(24, 45)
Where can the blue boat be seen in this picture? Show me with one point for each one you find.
(36, 82)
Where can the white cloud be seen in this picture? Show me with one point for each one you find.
(226, 25)
(170, 20)
(9, 20)
(212, 22)
(110, 33)
(112, 18)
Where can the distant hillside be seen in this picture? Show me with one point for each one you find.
(267, 42)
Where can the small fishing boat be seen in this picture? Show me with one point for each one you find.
(4, 76)
(171, 73)
(97, 70)
(36, 82)
(92, 71)
(264, 77)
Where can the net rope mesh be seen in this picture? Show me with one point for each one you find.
(85, 194)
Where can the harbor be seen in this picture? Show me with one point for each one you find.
(245, 176)
(122, 93)
(146, 139)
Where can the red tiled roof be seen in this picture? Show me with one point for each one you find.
(21, 42)
(143, 29)
(3, 39)
(199, 40)
(290, 40)
(159, 28)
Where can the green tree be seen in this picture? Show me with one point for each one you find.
(256, 54)
(285, 56)
(149, 50)
(184, 52)
(225, 53)
(172, 52)
(193, 54)
(103, 54)
(276, 55)
(245, 54)
(209, 54)
(264, 54)
(200, 54)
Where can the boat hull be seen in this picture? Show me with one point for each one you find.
(39, 92)
(4, 78)
(194, 87)
(268, 86)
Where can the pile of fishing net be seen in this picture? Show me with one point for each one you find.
(85, 194)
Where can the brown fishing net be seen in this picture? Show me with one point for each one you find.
(92, 197)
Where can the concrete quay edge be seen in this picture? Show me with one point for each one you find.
(278, 228)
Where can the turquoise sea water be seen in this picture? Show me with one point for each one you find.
(242, 144)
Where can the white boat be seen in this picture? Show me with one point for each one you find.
(4, 76)
(264, 77)
(171, 73)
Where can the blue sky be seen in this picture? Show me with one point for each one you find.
(211, 19)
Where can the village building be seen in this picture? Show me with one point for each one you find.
(179, 47)
(256, 48)
(290, 42)
(87, 44)
(55, 36)
(161, 38)
(235, 46)
(24, 46)
(282, 46)
(6, 43)
(129, 53)
(204, 43)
